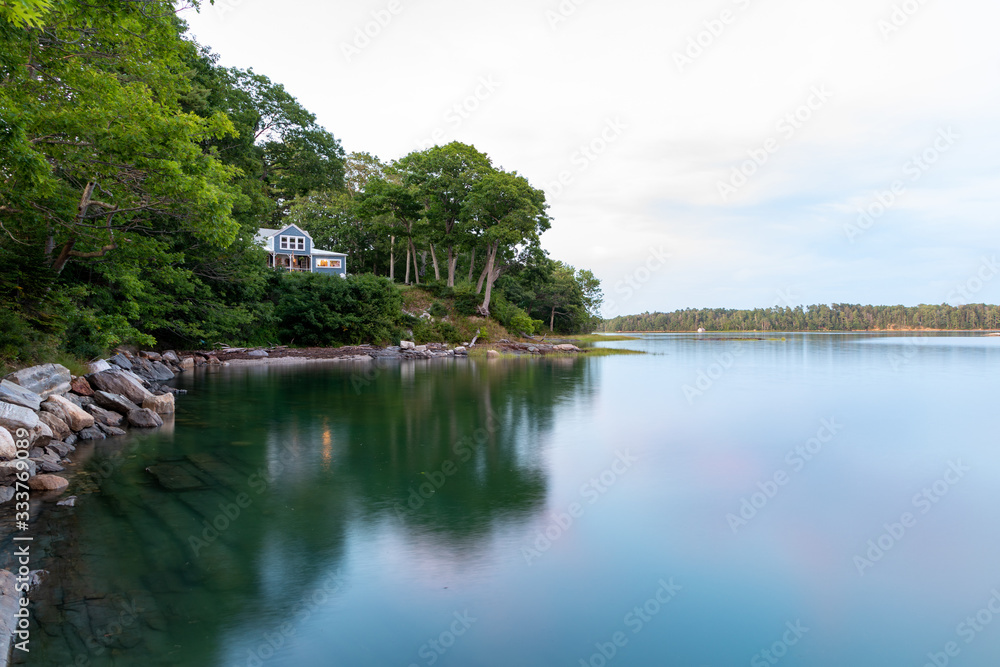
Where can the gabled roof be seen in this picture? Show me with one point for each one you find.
(265, 237)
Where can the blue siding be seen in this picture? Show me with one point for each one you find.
(293, 231)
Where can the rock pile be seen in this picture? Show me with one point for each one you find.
(53, 410)
(409, 350)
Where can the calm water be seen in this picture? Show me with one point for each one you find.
(829, 499)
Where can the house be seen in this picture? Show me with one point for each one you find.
(292, 249)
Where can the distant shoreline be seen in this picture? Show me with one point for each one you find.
(817, 331)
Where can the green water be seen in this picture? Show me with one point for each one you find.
(563, 512)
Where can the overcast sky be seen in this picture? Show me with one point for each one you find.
(695, 154)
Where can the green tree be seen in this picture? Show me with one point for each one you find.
(509, 213)
(444, 177)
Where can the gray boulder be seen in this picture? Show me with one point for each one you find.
(114, 402)
(10, 469)
(98, 367)
(8, 449)
(144, 418)
(6, 494)
(14, 417)
(92, 433)
(59, 449)
(162, 373)
(43, 380)
(41, 435)
(117, 382)
(106, 417)
(121, 361)
(110, 431)
(171, 357)
(15, 394)
(48, 465)
(152, 371)
(60, 429)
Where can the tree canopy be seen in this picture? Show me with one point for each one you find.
(135, 172)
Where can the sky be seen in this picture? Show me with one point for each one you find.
(720, 153)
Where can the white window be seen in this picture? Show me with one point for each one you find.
(293, 243)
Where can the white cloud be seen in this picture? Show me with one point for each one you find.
(657, 183)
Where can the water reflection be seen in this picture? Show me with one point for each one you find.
(236, 522)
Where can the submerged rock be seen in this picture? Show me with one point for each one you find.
(174, 477)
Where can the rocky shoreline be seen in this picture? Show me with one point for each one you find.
(45, 410)
(406, 350)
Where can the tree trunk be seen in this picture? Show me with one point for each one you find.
(407, 281)
(392, 258)
(452, 265)
(482, 279)
(472, 264)
(490, 259)
(416, 266)
(552, 320)
(434, 259)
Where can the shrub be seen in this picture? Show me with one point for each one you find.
(438, 309)
(439, 289)
(318, 309)
(466, 300)
(513, 318)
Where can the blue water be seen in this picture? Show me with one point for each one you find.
(830, 500)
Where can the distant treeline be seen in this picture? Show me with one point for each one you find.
(839, 317)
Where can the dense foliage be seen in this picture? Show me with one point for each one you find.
(839, 317)
(135, 172)
(319, 310)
